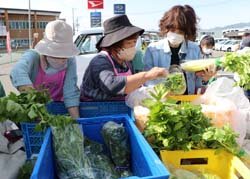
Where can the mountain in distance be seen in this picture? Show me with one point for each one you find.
(217, 31)
(232, 26)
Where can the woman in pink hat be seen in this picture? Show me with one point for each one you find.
(51, 65)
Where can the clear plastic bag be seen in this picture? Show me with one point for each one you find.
(179, 86)
(141, 117)
(136, 97)
(222, 112)
(224, 102)
(116, 140)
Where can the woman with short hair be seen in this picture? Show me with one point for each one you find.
(179, 27)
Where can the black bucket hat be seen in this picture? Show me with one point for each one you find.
(116, 29)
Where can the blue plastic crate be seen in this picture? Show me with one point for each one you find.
(33, 140)
(145, 163)
(92, 108)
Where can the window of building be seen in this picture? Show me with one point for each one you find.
(2, 43)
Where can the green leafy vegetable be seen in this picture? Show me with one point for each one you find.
(30, 106)
(184, 127)
(116, 140)
(175, 83)
(239, 63)
(68, 148)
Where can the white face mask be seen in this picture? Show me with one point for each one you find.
(207, 51)
(127, 54)
(174, 38)
(57, 63)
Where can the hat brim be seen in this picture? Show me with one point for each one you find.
(117, 36)
(55, 49)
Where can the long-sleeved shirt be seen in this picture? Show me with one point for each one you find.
(158, 54)
(26, 69)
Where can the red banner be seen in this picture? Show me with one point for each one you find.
(8, 44)
(95, 4)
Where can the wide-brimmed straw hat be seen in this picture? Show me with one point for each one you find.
(57, 41)
(116, 29)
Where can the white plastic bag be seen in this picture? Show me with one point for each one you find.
(136, 97)
(223, 111)
(224, 94)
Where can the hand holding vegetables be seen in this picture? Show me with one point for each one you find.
(207, 73)
(232, 62)
(155, 72)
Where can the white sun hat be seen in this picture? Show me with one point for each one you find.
(57, 41)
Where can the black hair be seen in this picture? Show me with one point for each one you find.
(208, 40)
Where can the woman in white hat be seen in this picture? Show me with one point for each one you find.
(52, 66)
(109, 74)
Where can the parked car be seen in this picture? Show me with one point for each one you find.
(216, 40)
(218, 45)
(86, 41)
(230, 46)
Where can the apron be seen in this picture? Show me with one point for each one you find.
(129, 72)
(53, 82)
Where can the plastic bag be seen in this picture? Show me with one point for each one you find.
(100, 164)
(116, 140)
(141, 117)
(229, 103)
(222, 112)
(224, 87)
(68, 147)
(175, 81)
(137, 96)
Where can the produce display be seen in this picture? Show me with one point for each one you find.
(175, 83)
(184, 127)
(197, 65)
(240, 64)
(116, 140)
(231, 62)
(72, 160)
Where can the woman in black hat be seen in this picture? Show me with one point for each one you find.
(109, 74)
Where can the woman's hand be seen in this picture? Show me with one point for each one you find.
(207, 73)
(25, 88)
(156, 72)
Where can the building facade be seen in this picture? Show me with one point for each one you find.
(15, 21)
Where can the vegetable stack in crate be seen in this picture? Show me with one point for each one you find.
(185, 139)
(29, 109)
(144, 163)
(34, 139)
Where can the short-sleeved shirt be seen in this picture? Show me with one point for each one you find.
(100, 82)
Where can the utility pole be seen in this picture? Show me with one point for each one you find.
(77, 24)
(30, 46)
(73, 21)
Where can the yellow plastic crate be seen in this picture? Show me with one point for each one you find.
(223, 164)
(184, 98)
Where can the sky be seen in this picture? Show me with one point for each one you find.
(143, 13)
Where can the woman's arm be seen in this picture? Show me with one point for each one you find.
(71, 93)
(135, 81)
(21, 73)
(74, 112)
